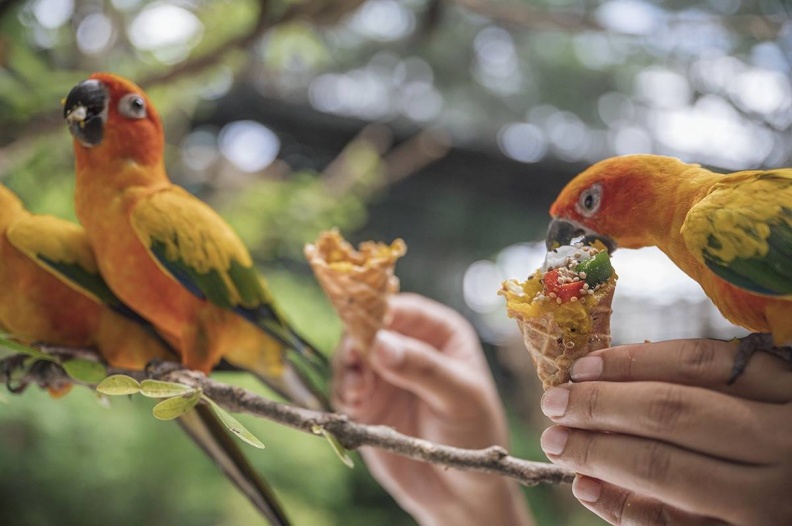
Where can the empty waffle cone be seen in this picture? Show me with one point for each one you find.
(357, 282)
(554, 341)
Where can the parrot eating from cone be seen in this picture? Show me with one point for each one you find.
(732, 233)
(51, 292)
(171, 257)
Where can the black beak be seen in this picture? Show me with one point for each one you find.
(85, 111)
(562, 232)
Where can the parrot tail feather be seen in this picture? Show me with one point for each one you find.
(296, 386)
(296, 381)
(210, 435)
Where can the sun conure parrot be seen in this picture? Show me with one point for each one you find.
(168, 255)
(51, 292)
(732, 233)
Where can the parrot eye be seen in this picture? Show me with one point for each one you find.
(132, 106)
(589, 201)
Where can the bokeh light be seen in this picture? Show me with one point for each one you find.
(95, 34)
(52, 14)
(383, 20)
(249, 145)
(630, 16)
(523, 142)
(167, 30)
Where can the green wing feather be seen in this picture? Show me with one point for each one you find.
(61, 248)
(197, 248)
(742, 231)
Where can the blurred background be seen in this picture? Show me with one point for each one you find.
(449, 123)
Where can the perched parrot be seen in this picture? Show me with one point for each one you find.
(732, 233)
(51, 292)
(168, 255)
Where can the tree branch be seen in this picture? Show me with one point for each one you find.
(524, 16)
(352, 435)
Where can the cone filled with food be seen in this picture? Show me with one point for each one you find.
(357, 282)
(563, 310)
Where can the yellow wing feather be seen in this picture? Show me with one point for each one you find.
(58, 241)
(191, 234)
(733, 220)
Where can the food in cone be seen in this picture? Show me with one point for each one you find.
(563, 310)
(358, 282)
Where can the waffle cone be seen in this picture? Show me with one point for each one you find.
(357, 282)
(552, 349)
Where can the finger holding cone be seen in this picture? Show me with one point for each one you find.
(357, 282)
(563, 313)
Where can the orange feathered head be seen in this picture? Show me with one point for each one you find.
(111, 116)
(615, 201)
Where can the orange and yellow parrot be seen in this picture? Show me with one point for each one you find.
(51, 292)
(169, 256)
(732, 233)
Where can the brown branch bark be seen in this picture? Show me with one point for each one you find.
(524, 16)
(352, 435)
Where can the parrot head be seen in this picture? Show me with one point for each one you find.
(615, 201)
(110, 116)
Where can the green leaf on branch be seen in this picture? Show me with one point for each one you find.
(234, 425)
(340, 451)
(86, 371)
(160, 389)
(119, 384)
(176, 406)
(7, 343)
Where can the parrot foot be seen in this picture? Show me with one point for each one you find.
(19, 372)
(13, 369)
(756, 341)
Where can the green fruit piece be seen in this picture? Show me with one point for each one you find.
(598, 269)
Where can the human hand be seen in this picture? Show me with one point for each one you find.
(426, 376)
(659, 437)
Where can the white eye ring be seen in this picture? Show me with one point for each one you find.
(132, 106)
(589, 200)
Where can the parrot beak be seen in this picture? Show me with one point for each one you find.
(562, 232)
(85, 111)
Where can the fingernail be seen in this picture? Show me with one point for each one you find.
(586, 489)
(585, 369)
(554, 440)
(554, 402)
(388, 350)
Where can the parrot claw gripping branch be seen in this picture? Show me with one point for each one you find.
(732, 233)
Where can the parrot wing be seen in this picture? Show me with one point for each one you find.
(742, 231)
(61, 248)
(196, 247)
